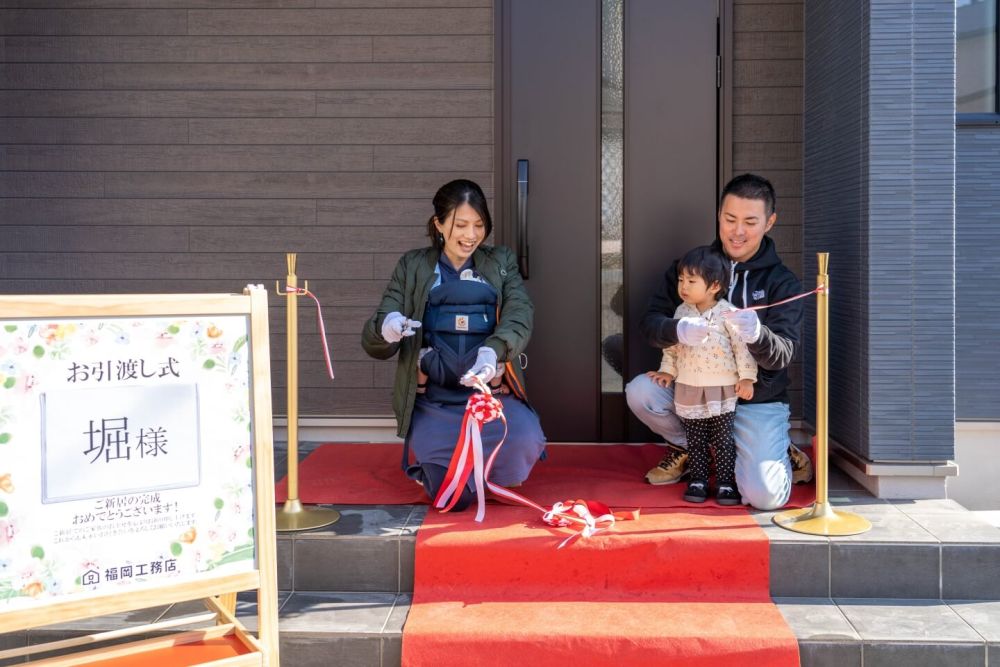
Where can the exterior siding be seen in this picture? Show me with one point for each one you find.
(880, 190)
(768, 121)
(977, 324)
(836, 192)
(197, 141)
(912, 230)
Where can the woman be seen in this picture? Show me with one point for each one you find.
(455, 310)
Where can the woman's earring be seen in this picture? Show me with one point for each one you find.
(441, 238)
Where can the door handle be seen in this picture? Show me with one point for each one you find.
(522, 217)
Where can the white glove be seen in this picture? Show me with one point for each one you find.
(745, 324)
(395, 326)
(692, 330)
(485, 367)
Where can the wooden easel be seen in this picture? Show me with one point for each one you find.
(220, 638)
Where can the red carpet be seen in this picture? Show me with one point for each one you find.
(674, 587)
(369, 474)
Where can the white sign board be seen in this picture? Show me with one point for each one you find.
(125, 454)
(119, 440)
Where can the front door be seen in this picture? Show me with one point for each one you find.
(606, 172)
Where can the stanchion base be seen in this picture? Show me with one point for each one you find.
(821, 519)
(293, 516)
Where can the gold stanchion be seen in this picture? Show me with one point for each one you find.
(821, 518)
(293, 516)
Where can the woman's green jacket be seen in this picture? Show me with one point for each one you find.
(407, 293)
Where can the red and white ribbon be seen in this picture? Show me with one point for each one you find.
(319, 318)
(819, 288)
(589, 516)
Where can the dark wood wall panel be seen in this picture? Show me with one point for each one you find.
(369, 21)
(244, 76)
(768, 74)
(240, 4)
(157, 146)
(156, 103)
(191, 212)
(168, 157)
(93, 131)
(94, 22)
(187, 49)
(405, 103)
(457, 131)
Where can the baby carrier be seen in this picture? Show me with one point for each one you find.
(460, 316)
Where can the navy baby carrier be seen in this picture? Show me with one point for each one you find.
(460, 316)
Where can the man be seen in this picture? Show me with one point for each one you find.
(766, 462)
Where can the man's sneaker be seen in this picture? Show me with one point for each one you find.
(697, 491)
(727, 494)
(671, 468)
(802, 467)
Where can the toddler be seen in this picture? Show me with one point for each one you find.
(709, 378)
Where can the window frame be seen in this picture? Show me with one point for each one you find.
(982, 118)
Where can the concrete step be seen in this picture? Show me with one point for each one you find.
(321, 629)
(370, 549)
(921, 588)
(846, 632)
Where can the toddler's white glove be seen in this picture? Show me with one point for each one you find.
(692, 330)
(485, 367)
(745, 323)
(395, 327)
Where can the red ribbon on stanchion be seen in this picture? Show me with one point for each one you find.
(589, 516)
(819, 288)
(319, 318)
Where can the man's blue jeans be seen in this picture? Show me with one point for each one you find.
(763, 469)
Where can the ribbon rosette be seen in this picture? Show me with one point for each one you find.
(590, 516)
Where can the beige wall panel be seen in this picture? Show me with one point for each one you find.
(187, 212)
(405, 103)
(93, 22)
(342, 22)
(158, 103)
(188, 49)
(314, 131)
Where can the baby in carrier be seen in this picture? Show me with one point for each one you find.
(461, 314)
